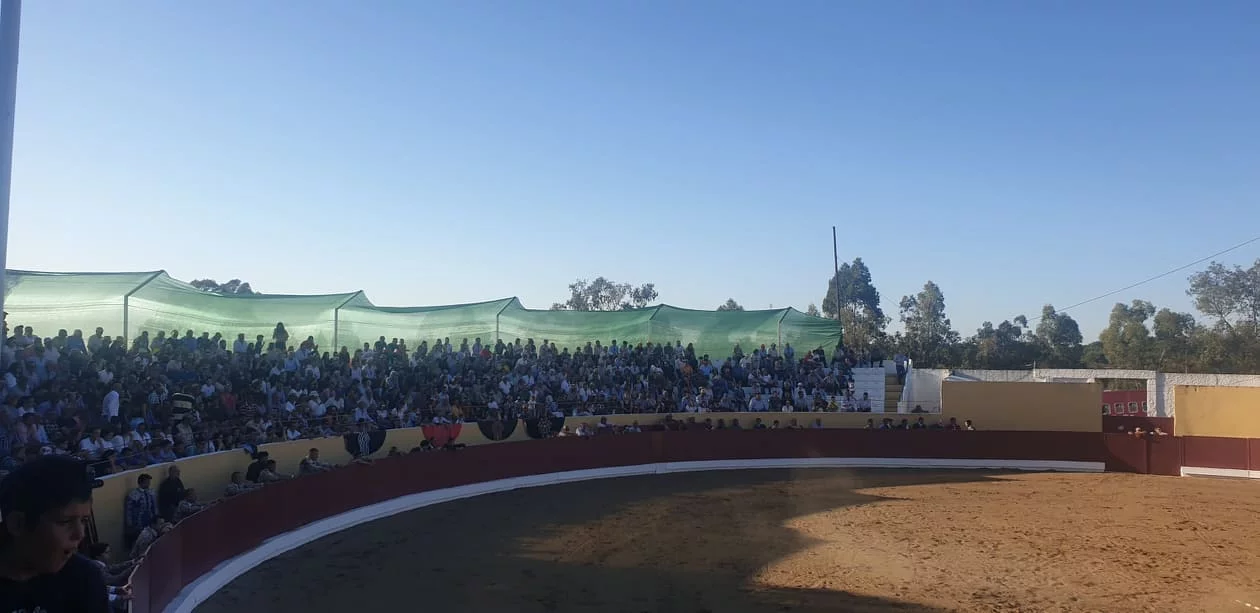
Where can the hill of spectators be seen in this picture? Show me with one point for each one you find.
(176, 395)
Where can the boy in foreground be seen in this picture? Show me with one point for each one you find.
(44, 508)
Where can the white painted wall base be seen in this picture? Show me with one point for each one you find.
(206, 585)
(1236, 473)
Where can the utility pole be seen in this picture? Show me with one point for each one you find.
(835, 255)
(10, 26)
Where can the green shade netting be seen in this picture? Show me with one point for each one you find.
(362, 322)
(574, 328)
(129, 303)
(167, 304)
(715, 333)
(806, 332)
(50, 301)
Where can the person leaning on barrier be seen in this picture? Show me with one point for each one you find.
(239, 485)
(45, 506)
(312, 464)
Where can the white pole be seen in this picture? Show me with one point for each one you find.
(10, 25)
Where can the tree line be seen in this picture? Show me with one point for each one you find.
(1139, 335)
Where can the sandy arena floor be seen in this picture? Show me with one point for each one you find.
(792, 540)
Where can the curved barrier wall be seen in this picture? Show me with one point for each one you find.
(209, 474)
(238, 525)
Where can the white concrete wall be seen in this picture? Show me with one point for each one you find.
(871, 382)
(923, 386)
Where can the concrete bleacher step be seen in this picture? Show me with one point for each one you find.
(892, 393)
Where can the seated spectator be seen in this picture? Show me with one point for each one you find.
(870, 424)
(113, 574)
(967, 425)
(953, 424)
(239, 485)
(150, 533)
(188, 506)
(919, 424)
(93, 445)
(269, 474)
(864, 405)
(311, 463)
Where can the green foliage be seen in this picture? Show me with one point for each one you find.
(1138, 336)
(604, 295)
(235, 286)
(929, 337)
(861, 317)
(730, 305)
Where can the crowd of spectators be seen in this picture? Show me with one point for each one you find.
(175, 394)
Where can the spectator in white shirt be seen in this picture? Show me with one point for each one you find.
(109, 406)
(93, 445)
(115, 441)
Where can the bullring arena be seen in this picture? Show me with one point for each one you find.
(780, 520)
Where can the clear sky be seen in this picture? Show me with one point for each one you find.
(428, 152)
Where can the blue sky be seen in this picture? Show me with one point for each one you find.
(1017, 153)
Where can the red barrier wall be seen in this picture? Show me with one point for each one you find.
(1216, 452)
(1126, 454)
(237, 525)
(1163, 456)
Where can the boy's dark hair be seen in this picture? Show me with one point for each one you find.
(44, 484)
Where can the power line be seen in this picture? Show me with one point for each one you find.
(1156, 277)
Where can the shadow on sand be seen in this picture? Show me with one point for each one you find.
(564, 549)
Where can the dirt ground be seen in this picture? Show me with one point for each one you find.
(792, 540)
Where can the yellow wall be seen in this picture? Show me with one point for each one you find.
(210, 474)
(1072, 407)
(830, 420)
(1232, 412)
